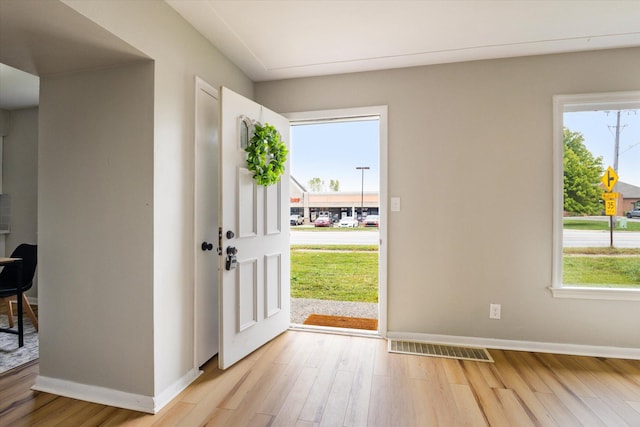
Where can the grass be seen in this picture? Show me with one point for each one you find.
(584, 224)
(360, 248)
(602, 271)
(601, 251)
(331, 273)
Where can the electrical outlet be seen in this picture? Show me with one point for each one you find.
(494, 311)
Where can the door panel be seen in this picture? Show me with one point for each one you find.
(255, 301)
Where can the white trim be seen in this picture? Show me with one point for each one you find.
(583, 292)
(363, 113)
(572, 103)
(200, 85)
(111, 397)
(335, 331)
(169, 393)
(533, 346)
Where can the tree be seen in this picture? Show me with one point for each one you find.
(316, 185)
(582, 173)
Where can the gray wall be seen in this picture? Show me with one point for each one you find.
(162, 277)
(96, 227)
(470, 153)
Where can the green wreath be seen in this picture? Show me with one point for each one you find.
(267, 154)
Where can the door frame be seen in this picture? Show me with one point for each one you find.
(202, 85)
(352, 114)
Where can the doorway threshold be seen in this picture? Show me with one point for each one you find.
(335, 331)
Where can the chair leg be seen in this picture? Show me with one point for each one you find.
(7, 301)
(29, 311)
(26, 309)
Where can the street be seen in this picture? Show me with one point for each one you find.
(571, 238)
(588, 238)
(335, 237)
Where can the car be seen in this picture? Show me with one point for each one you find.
(323, 221)
(348, 222)
(634, 213)
(371, 221)
(296, 220)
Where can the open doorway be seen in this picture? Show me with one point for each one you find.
(338, 229)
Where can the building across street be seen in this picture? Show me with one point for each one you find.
(339, 204)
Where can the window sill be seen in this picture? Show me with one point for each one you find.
(611, 294)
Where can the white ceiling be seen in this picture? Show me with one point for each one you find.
(272, 40)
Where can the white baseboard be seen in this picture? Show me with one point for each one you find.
(111, 397)
(534, 346)
(176, 388)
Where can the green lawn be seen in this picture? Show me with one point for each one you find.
(601, 271)
(335, 274)
(586, 224)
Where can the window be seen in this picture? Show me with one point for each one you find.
(593, 132)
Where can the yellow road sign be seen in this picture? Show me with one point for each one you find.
(610, 207)
(608, 196)
(609, 178)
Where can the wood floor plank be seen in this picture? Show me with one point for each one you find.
(618, 384)
(606, 414)
(360, 392)
(522, 362)
(514, 411)
(557, 381)
(563, 368)
(557, 410)
(292, 406)
(488, 401)
(424, 405)
(635, 405)
(319, 394)
(468, 407)
(514, 381)
(336, 408)
(453, 370)
(354, 381)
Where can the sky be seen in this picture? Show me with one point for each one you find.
(598, 129)
(333, 151)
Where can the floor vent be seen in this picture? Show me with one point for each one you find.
(439, 350)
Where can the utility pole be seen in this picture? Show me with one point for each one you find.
(616, 150)
(616, 153)
(362, 168)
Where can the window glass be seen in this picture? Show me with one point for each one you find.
(597, 184)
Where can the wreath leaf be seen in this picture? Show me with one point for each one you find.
(266, 154)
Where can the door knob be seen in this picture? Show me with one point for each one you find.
(231, 260)
(206, 246)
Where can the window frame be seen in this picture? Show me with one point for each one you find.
(574, 103)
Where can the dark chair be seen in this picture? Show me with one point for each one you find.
(9, 280)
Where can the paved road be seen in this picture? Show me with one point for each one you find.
(572, 238)
(335, 237)
(588, 238)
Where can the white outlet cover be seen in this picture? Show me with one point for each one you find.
(395, 204)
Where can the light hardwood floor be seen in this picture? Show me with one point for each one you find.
(312, 379)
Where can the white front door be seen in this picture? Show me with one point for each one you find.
(254, 291)
(206, 223)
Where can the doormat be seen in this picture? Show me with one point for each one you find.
(342, 322)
